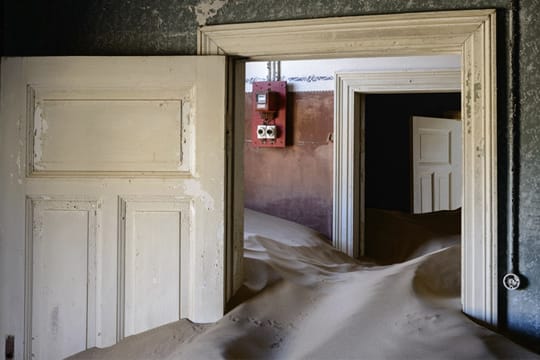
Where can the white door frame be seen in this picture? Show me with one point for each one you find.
(349, 147)
(469, 33)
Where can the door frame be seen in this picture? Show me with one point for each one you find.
(469, 33)
(349, 109)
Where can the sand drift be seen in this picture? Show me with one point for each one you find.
(303, 299)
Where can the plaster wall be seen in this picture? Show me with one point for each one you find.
(144, 27)
(295, 182)
(319, 75)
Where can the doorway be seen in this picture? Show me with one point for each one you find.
(412, 174)
(470, 33)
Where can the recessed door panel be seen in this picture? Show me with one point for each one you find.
(158, 229)
(75, 134)
(63, 241)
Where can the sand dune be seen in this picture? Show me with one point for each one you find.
(302, 299)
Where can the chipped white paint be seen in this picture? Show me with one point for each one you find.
(207, 9)
(193, 188)
(187, 155)
(40, 130)
(75, 88)
(18, 163)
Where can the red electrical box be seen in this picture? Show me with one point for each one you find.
(269, 112)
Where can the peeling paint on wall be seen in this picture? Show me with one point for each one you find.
(207, 9)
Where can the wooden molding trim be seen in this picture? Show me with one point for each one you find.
(470, 33)
(371, 35)
(479, 216)
(348, 212)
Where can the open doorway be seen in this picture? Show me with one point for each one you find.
(412, 174)
(470, 34)
(296, 182)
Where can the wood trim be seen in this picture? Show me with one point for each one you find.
(28, 280)
(235, 179)
(371, 35)
(470, 33)
(479, 216)
(349, 123)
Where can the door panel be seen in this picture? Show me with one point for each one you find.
(122, 161)
(436, 148)
(63, 241)
(426, 192)
(111, 130)
(154, 229)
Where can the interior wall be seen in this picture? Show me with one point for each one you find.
(388, 143)
(319, 74)
(295, 182)
(302, 190)
(169, 27)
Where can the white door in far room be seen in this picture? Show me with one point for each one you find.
(112, 182)
(437, 164)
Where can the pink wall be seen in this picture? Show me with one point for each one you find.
(295, 183)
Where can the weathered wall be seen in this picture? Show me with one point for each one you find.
(294, 182)
(109, 27)
(523, 306)
(388, 145)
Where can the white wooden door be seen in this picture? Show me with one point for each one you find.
(436, 164)
(112, 198)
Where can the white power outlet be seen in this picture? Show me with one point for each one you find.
(271, 132)
(261, 131)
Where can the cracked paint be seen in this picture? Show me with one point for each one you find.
(207, 9)
(40, 132)
(193, 188)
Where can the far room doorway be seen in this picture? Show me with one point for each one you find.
(413, 173)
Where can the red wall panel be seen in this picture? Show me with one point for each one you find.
(295, 182)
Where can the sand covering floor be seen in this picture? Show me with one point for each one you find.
(302, 299)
